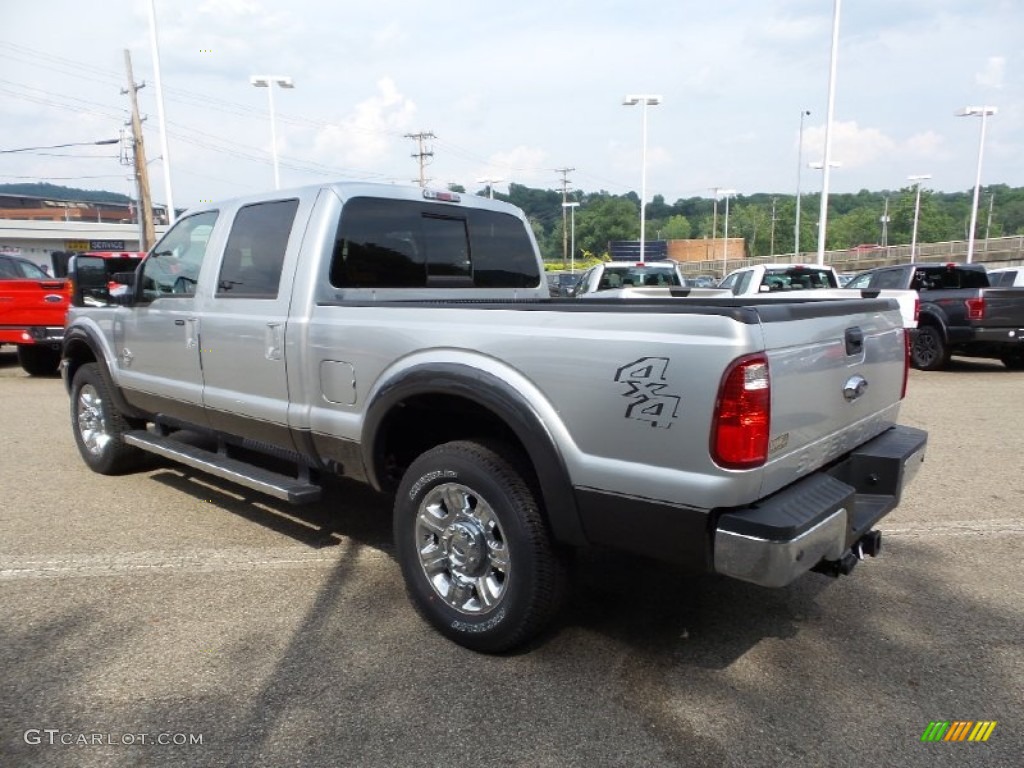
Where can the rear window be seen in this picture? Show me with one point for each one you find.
(949, 277)
(797, 279)
(385, 243)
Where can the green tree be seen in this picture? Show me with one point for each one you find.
(675, 228)
(604, 218)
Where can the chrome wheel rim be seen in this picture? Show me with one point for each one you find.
(462, 549)
(92, 426)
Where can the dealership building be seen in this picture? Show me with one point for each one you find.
(34, 227)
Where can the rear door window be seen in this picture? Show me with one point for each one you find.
(254, 254)
(385, 243)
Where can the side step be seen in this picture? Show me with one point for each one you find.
(263, 480)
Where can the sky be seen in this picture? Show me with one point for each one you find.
(515, 91)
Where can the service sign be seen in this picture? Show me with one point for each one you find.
(106, 245)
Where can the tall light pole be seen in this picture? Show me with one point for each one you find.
(164, 151)
(726, 193)
(799, 166)
(821, 231)
(572, 250)
(983, 113)
(826, 176)
(647, 100)
(917, 212)
(268, 81)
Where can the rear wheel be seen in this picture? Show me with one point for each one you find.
(1013, 360)
(99, 427)
(38, 359)
(930, 352)
(478, 561)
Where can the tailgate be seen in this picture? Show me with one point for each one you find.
(1004, 308)
(837, 371)
(25, 303)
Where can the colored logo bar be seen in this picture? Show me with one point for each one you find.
(958, 730)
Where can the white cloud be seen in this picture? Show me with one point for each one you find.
(523, 164)
(852, 146)
(366, 138)
(927, 144)
(994, 73)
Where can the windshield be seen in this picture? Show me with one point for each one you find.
(637, 275)
(797, 279)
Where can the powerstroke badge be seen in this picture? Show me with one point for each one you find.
(645, 378)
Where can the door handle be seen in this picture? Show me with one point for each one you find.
(179, 322)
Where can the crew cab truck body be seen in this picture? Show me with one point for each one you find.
(405, 338)
(811, 281)
(960, 313)
(33, 306)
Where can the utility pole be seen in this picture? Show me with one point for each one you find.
(714, 221)
(139, 153)
(885, 223)
(421, 154)
(988, 224)
(565, 190)
(773, 228)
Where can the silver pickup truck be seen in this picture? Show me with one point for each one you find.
(405, 338)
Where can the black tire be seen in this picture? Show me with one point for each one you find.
(99, 427)
(930, 352)
(467, 509)
(1014, 361)
(38, 359)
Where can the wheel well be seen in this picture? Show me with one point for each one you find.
(421, 422)
(76, 354)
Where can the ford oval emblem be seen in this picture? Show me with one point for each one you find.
(854, 387)
(53, 298)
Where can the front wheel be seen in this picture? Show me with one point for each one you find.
(929, 352)
(99, 427)
(477, 559)
(38, 359)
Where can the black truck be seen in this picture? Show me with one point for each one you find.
(961, 313)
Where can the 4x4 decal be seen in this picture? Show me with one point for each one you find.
(645, 378)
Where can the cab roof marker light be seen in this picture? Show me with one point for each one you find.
(444, 197)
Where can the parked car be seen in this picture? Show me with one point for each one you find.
(33, 306)
(405, 338)
(562, 284)
(960, 312)
(703, 281)
(812, 281)
(1006, 277)
(613, 275)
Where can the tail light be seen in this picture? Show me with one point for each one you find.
(917, 309)
(906, 362)
(742, 418)
(975, 309)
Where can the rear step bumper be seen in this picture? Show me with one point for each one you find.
(273, 484)
(823, 519)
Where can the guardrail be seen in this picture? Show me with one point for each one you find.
(995, 251)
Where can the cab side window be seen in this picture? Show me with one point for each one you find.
(172, 269)
(254, 255)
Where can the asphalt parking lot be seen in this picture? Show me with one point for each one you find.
(162, 606)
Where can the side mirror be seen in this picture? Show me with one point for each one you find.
(88, 276)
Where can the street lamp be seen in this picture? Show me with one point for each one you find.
(490, 185)
(917, 212)
(983, 113)
(826, 176)
(821, 230)
(799, 166)
(726, 193)
(572, 252)
(647, 100)
(268, 81)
